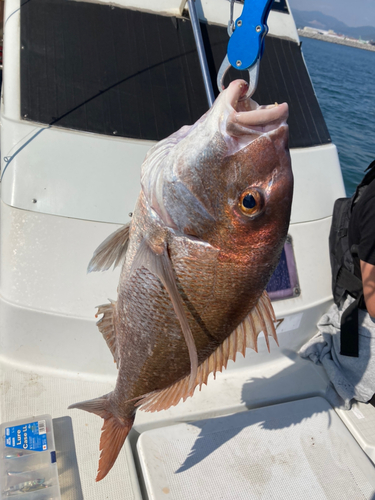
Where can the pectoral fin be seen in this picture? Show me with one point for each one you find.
(161, 266)
(111, 252)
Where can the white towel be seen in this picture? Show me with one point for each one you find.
(352, 378)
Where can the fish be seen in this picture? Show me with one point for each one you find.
(205, 236)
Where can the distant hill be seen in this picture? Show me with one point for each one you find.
(319, 20)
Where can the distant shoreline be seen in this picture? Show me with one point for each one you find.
(340, 41)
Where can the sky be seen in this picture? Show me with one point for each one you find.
(351, 12)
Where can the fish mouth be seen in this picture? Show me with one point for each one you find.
(248, 117)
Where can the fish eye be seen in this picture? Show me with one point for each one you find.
(251, 202)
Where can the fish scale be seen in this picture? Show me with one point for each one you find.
(196, 260)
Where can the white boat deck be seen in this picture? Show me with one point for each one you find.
(293, 450)
(28, 393)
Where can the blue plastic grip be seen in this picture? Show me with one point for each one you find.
(247, 41)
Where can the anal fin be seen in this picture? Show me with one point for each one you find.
(260, 318)
(99, 406)
(111, 252)
(107, 328)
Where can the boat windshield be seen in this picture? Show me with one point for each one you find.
(115, 71)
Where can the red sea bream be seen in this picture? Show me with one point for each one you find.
(205, 237)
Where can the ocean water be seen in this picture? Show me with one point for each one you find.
(344, 82)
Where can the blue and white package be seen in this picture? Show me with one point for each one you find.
(28, 462)
(31, 436)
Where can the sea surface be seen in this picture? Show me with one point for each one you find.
(344, 82)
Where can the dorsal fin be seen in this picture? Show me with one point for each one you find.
(107, 328)
(260, 318)
(111, 252)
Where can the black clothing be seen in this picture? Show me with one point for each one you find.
(362, 228)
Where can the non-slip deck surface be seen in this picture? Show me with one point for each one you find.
(297, 450)
(196, 451)
(24, 394)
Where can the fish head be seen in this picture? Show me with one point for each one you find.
(227, 179)
(257, 175)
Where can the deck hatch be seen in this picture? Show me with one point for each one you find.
(114, 71)
(289, 451)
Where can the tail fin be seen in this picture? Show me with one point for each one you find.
(112, 438)
(114, 432)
